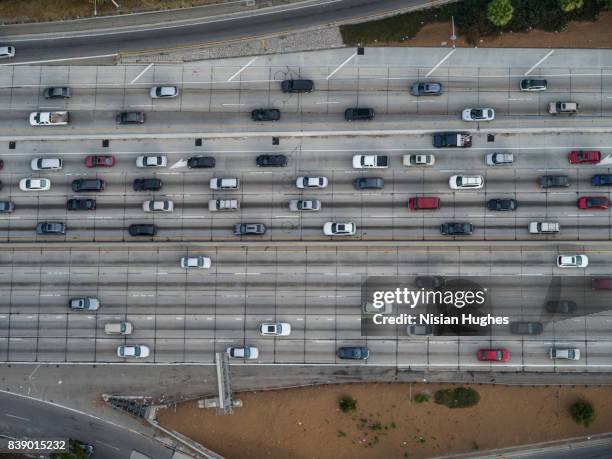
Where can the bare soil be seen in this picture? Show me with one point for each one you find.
(18, 11)
(306, 423)
(577, 35)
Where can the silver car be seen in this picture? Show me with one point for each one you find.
(84, 304)
(296, 205)
(499, 159)
(163, 92)
(46, 164)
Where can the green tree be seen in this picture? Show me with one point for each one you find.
(582, 412)
(500, 12)
(347, 404)
(570, 5)
(606, 4)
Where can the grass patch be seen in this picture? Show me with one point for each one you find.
(460, 397)
(421, 398)
(347, 404)
(582, 412)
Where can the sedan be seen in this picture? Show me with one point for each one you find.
(46, 164)
(426, 89)
(151, 161)
(602, 283)
(572, 261)
(51, 228)
(564, 353)
(246, 352)
(311, 182)
(502, 204)
(296, 205)
(265, 114)
(478, 114)
(493, 355)
(134, 351)
(142, 229)
(561, 307)
(81, 204)
(34, 184)
(84, 304)
(456, 229)
(553, 181)
(6, 207)
(158, 206)
(526, 328)
(339, 229)
(271, 161)
(582, 156)
(601, 180)
(353, 353)
(200, 262)
(58, 92)
(593, 202)
(130, 118)
(245, 229)
(466, 182)
(369, 183)
(7, 52)
(99, 161)
(163, 92)
(418, 160)
(430, 282)
(275, 329)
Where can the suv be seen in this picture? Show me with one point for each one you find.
(535, 84)
(147, 184)
(243, 229)
(271, 161)
(553, 181)
(358, 114)
(369, 183)
(79, 185)
(466, 182)
(51, 228)
(201, 162)
(584, 156)
(601, 180)
(142, 229)
(601, 283)
(499, 159)
(265, 114)
(456, 229)
(564, 353)
(424, 203)
(46, 164)
(130, 118)
(353, 353)
(526, 328)
(81, 204)
(502, 205)
(224, 183)
(563, 108)
(57, 93)
(426, 89)
(561, 307)
(293, 86)
(6, 207)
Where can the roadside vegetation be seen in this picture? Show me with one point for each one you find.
(476, 19)
(459, 397)
(582, 412)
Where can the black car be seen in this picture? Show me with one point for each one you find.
(365, 183)
(79, 185)
(271, 161)
(561, 307)
(502, 204)
(426, 89)
(57, 93)
(601, 180)
(430, 282)
(51, 228)
(297, 86)
(553, 181)
(6, 207)
(533, 84)
(358, 114)
(201, 162)
(456, 229)
(242, 229)
(147, 184)
(265, 114)
(526, 328)
(353, 353)
(130, 118)
(142, 229)
(81, 204)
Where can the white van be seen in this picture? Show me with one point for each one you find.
(118, 328)
(223, 204)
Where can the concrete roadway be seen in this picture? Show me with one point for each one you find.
(264, 193)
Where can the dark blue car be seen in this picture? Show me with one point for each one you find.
(353, 352)
(601, 180)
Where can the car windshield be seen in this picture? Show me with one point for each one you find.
(477, 113)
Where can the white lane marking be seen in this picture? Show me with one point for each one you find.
(341, 65)
(539, 62)
(244, 67)
(440, 63)
(106, 444)
(141, 73)
(326, 103)
(232, 105)
(16, 417)
(100, 56)
(520, 98)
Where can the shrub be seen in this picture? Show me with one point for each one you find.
(347, 404)
(570, 5)
(460, 397)
(500, 12)
(582, 412)
(421, 398)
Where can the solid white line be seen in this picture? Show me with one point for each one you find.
(539, 62)
(63, 60)
(441, 62)
(241, 70)
(142, 73)
(231, 105)
(341, 65)
(16, 417)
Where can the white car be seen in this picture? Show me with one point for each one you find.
(34, 184)
(84, 304)
(158, 206)
(296, 205)
(135, 351)
(200, 262)
(418, 160)
(478, 114)
(46, 164)
(275, 329)
(564, 353)
(339, 228)
(311, 182)
(572, 261)
(246, 352)
(499, 159)
(151, 161)
(7, 52)
(219, 183)
(163, 92)
(466, 182)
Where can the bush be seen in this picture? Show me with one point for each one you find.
(570, 5)
(347, 404)
(421, 398)
(500, 12)
(582, 412)
(460, 397)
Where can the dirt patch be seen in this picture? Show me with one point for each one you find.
(306, 423)
(18, 11)
(596, 34)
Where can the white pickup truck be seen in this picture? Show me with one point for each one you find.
(49, 118)
(370, 162)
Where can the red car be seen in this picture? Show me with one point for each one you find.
(602, 283)
(581, 156)
(493, 355)
(99, 161)
(593, 202)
